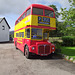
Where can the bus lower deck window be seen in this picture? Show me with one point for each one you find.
(28, 33)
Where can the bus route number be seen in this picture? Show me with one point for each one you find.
(43, 20)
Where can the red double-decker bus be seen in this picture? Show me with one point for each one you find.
(31, 32)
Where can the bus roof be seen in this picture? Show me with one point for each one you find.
(40, 6)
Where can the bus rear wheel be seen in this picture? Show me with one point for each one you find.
(27, 53)
(16, 45)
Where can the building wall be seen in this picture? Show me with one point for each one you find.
(4, 34)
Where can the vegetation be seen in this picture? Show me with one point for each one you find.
(68, 16)
(68, 40)
(52, 39)
(57, 46)
(56, 11)
(56, 32)
(64, 35)
(12, 34)
(67, 27)
(69, 51)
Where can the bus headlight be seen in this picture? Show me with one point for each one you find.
(33, 48)
(52, 48)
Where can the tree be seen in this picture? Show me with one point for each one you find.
(55, 32)
(73, 2)
(56, 10)
(69, 19)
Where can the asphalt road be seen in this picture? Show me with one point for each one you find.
(12, 62)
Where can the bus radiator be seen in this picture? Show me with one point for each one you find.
(44, 49)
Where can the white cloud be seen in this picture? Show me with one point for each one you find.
(13, 6)
(18, 6)
(63, 3)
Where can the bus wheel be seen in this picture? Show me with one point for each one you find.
(27, 54)
(16, 45)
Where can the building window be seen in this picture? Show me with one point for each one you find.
(3, 27)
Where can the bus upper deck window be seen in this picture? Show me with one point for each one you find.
(28, 12)
(23, 15)
(37, 11)
(49, 13)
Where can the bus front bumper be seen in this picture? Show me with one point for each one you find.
(42, 49)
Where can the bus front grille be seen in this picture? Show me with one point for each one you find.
(44, 49)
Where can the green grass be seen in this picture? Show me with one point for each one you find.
(69, 51)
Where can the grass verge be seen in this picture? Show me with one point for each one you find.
(69, 51)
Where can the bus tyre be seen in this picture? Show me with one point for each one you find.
(27, 53)
(16, 45)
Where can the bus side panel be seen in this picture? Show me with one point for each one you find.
(26, 21)
(29, 42)
(15, 39)
(20, 46)
(19, 39)
(53, 22)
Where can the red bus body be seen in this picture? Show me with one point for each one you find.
(41, 46)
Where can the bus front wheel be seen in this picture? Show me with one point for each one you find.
(27, 53)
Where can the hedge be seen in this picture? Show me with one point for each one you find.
(68, 40)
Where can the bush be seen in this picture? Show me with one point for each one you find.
(57, 46)
(68, 40)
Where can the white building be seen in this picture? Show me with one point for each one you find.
(4, 30)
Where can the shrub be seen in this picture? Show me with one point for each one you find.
(68, 40)
(57, 46)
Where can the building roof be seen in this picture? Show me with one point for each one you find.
(1, 19)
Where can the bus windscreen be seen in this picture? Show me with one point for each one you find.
(36, 33)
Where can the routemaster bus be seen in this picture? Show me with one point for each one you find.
(31, 32)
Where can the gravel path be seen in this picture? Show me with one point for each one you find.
(12, 62)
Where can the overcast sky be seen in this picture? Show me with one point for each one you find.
(12, 9)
